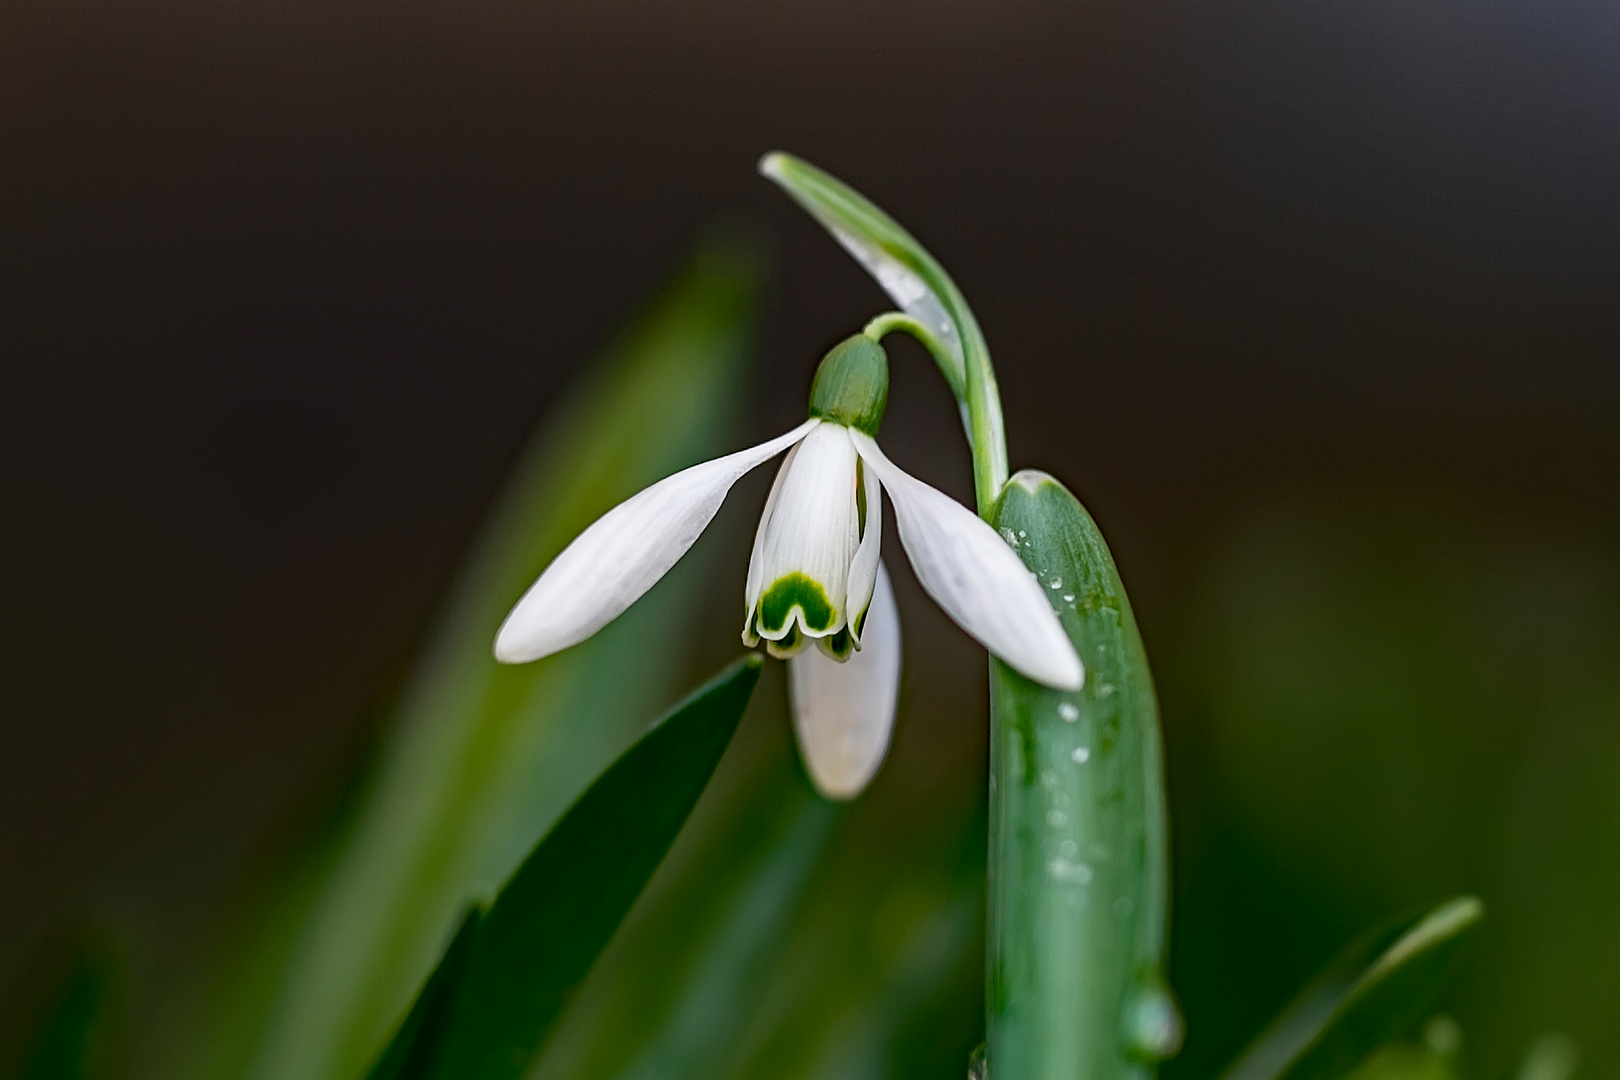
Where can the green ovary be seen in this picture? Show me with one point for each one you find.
(795, 590)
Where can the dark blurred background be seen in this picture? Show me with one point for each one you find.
(1316, 306)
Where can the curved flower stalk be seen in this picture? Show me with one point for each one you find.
(814, 571)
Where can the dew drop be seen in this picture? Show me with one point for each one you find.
(1068, 712)
(1154, 1024)
(1081, 755)
(1068, 598)
(1055, 583)
(1056, 818)
(1069, 873)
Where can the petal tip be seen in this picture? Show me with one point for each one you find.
(1065, 672)
(508, 650)
(839, 791)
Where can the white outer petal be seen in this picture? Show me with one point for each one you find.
(843, 713)
(863, 571)
(623, 554)
(979, 581)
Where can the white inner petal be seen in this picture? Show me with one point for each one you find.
(812, 531)
(863, 571)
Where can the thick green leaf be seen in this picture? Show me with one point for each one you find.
(1369, 995)
(557, 912)
(481, 758)
(1078, 905)
(70, 1041)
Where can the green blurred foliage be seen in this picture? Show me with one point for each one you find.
(1553, 1056)
(410, 1053)
(70, 1023)
(1371, 994)
(559, 909)
(783, 937)
(478, 759)
(1377, 701)
(788, 937)
(1402, 1061)
(495, 995)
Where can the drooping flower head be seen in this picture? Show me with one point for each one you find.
(815, 576)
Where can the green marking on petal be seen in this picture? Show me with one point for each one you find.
(791, 591)
(860, 496)
(839, 646)
(790, 646)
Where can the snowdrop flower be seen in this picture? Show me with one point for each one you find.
(814, 576)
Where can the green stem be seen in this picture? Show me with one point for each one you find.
(972, 380)
(950, 366)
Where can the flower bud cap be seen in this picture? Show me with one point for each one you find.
(852, 385)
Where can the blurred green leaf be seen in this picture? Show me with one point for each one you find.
(788, 937)
(1432, 1058)
(1384, 692)
(673, 995)
(1552, 1056)
(1403, 1062)
(411, 1050)
(481, 758)
(216, 1016)
(70, 1041)
(1369, 995)
(1078, 905)
(537, 943)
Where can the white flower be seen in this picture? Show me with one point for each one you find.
(814, 575)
